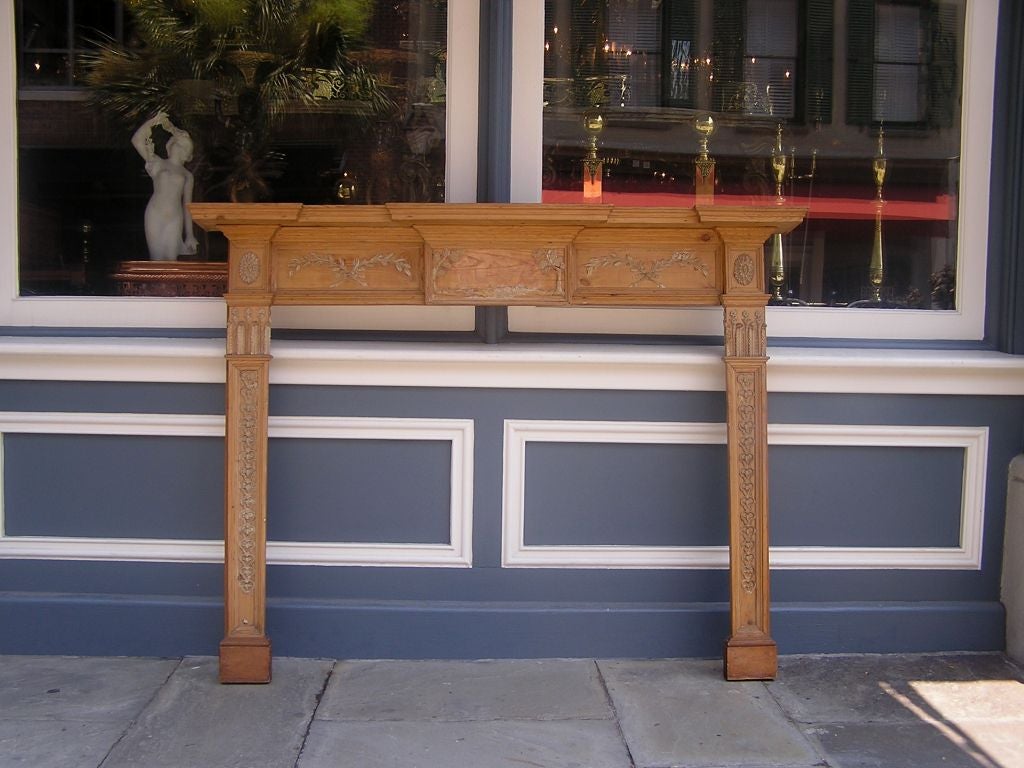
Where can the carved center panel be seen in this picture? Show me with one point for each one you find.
(497, 276)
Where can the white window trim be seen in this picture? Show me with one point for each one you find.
(140, 312)
(612, 367)
(966, 323)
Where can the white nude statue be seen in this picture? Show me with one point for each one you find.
(168, 221)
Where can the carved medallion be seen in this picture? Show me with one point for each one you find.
(249, 268)
(743, 269)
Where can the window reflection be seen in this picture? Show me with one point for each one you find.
(339, 102)
(834, 75)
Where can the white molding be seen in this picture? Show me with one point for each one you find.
(520, 366)
(72, 423)
(980, 35)
(462, 78)
(458, 553)
(150, 312)
(201, 551)
(527, 107)
(966, 556)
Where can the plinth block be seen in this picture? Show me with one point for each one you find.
(244, 660)
(745, 661)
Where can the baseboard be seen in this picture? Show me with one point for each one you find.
(105, 625)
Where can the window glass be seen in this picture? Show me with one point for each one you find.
(330, 102)
(850, 108)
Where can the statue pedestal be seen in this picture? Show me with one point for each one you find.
(170, 278)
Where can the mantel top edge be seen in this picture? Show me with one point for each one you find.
(216, 216)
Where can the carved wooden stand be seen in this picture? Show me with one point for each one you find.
(498, 255)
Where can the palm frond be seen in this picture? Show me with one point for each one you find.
(228, 71)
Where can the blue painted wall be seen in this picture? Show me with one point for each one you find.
(173, 608)
(578, 494)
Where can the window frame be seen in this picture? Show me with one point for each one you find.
(966, 323)
(463, 74)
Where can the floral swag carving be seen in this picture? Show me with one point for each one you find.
(354, 272)
(649, 271)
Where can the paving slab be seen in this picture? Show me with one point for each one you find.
(461, 690)
(62, 712)
(682, 713)
(56, 743)
(1000, 742)
(85, 689)
(195, 722)
(908, 745)
(476, 744)
(897, 688)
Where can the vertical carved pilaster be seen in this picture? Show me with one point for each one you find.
(247, 470)
(746, 410)
(750, 651)
(245, 649)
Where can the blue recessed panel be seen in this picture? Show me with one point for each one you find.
(627, 494)
(396, 491)
(113, 486)
(865, 496)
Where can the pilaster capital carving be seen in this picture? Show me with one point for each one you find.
(248, 330)
(745, 332)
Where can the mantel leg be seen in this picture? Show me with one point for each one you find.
(750, 652)
(245, 649)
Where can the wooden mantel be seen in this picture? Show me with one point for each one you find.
(494, 254)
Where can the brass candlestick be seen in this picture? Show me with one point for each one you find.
(876, 269)
(777, 263)
(593, 124)
(704, 163)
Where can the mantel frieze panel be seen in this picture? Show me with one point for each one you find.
(630, 266)
(503, 276)
(497, 264)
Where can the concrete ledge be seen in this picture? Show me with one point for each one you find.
(1013, 562)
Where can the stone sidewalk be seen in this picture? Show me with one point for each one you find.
(961, 710)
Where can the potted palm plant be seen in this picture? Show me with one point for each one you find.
(227, 71)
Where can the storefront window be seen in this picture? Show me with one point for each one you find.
(340, 102)
(858, 103)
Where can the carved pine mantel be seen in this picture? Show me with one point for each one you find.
(494, 254)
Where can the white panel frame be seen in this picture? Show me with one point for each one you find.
(966, 556)
(967, 322)
(456, 554)
(151, 312)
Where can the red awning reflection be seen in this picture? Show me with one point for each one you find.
(941, 208)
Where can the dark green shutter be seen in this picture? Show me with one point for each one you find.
(942, 67)
(818, 62)
(860, 65)
(679, 27)
(729, 21)
(590, 63)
